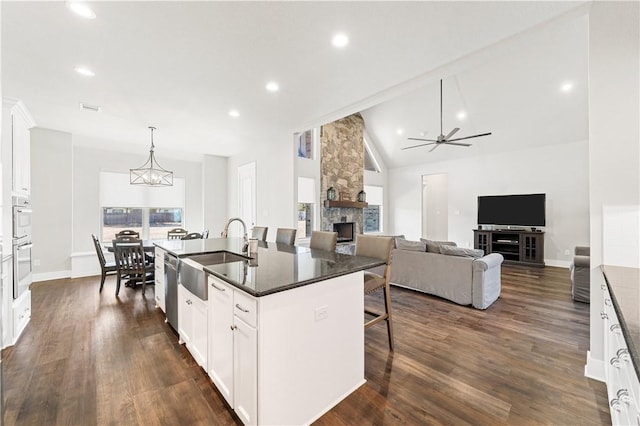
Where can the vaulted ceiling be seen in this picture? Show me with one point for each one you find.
(182, 66)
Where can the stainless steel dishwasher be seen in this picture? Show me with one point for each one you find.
(171, 289)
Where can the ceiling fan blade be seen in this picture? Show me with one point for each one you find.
(456, 143)
(469, 137)
(451, 133)
(437, 145)
(418, 139)
(417, 146)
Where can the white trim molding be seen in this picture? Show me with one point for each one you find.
(47, 276)
(594, 369)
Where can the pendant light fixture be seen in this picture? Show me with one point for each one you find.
(151, 173)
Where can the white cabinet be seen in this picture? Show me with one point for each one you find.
(623, 385)
(159, 279)
(7, 299)
(192, 325)
(21, 314)
(18, 122)
(233, 348)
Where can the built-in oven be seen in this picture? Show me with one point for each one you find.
(22, 272)
(21, 218)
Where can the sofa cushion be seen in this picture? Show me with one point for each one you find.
(461, 251)
(402, 244)
(434, 246)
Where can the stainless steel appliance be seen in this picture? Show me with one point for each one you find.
(171, 289)
(22, 272)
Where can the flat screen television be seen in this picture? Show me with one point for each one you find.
(519, 210)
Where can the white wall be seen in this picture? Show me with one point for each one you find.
(614, 138)
(51, 177)
(560, 171)
(214, 177)
(276, 199)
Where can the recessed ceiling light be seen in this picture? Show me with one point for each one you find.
(461, 115)
(399, 131)
(272, 86)
(81, 9)
(234, 113)
(87, 107)
(340, 40)
(566, 87)
(85, 71)
(424, 133)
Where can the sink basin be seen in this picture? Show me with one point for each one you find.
(216, 258)
(191, 273)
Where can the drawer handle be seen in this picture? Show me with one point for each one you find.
(615, 361)
(234, 327)
(615, 404)
(615, 328)
(242, 309)
(20, 317)
(218, 288)
(189, 302)
(623, 354)
(623, 395)
(607, 302)
(602, 286)
(604, 315)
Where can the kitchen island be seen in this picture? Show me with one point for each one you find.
(281, 334)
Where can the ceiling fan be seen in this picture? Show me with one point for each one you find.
(442, 139)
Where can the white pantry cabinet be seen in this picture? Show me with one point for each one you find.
(7, 299)
(159, 279)
(192, 325)
(233, 342)
(18, 122)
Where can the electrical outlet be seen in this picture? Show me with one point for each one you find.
(322, 313)
(567, 252)
(36, 262)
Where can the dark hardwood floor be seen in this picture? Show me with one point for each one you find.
(89, 358)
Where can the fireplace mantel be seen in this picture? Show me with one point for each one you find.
(346, 203)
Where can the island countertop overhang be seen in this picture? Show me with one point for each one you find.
(274, 268)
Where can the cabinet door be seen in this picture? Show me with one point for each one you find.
(221, 337)
(21, 155)
(245, 369)
(184, 315)
(198, 335)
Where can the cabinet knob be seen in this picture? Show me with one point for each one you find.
(607, 302)
(604, 315)
(603, 286)
(234, 327)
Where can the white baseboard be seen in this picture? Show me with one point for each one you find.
(557, 263)
(594, 369)
(46, 276)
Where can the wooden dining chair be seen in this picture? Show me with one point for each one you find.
(192, 236)
(379, 248)
(131, 261)
(176, 233)
(107, 268)
(323, 240)
(260, 232)
(286, 236)
(128, 233)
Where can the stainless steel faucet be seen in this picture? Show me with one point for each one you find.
(245, 246)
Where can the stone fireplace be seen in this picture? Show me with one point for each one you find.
(341, 166)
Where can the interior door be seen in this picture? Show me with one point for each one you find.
(247, 193)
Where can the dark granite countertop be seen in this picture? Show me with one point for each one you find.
(275, 268)
(624, 287)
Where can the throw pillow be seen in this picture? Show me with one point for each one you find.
(434, 246)
(461, 251)
(403, 244)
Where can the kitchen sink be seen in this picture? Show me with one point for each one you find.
(191, 273)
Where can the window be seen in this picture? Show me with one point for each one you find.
(151, 223)
(149, 211)
(305, 144)
(373, 213)
(306, 206)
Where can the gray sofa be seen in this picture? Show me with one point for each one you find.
(463, 280)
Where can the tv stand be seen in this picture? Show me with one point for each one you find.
(516, 246)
